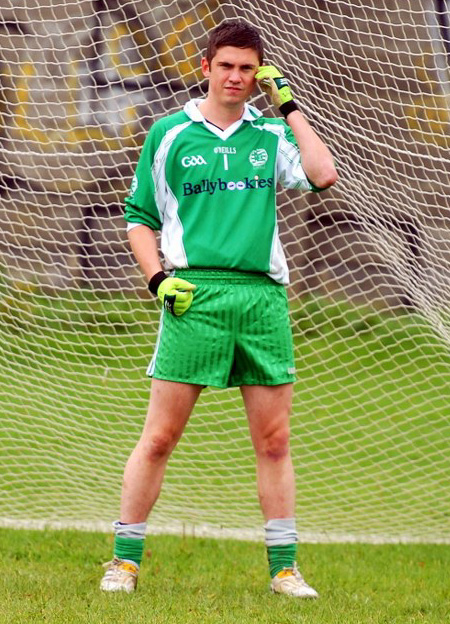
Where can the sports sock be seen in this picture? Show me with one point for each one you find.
(129, 541)
(280, 557)
(281, 542)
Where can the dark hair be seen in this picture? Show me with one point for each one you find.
(236, 33)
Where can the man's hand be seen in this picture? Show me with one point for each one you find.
(176, 295)
(274, 84)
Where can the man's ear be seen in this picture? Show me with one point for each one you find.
(205, 67)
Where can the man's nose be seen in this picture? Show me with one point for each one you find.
(235, 75)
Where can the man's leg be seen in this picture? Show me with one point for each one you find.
(268, 411)
(170, 406)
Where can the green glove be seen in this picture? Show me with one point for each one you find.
(176, 295)
(275, 84)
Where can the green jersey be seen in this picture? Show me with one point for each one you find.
(212, 192)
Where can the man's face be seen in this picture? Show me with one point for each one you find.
(231, 75)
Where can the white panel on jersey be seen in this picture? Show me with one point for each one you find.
(172, 229)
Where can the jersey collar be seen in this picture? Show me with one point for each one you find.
(192, 111)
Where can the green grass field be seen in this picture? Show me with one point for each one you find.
(53, 577)
(370, 442)
(370, 425)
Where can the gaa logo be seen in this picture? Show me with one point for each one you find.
(193, 161)
(258, 157)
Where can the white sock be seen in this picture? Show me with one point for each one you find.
(280, 531)
(133, 531)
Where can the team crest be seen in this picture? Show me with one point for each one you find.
(258, 157)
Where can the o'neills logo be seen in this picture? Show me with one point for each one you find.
(210, 187)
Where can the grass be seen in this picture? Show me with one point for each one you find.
(370, 425)
(53, 576)
(370, 443)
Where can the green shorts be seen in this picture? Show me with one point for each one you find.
(236, 332)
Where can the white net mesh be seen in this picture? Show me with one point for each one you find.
(80, 84)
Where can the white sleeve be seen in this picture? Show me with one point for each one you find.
(131, 226)
(290, 173)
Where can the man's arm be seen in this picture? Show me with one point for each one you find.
(317, 161)
(174, 293)
(145, 249)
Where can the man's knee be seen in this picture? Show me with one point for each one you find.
(274, 445)
(159, 444)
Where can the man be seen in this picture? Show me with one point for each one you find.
(206, 178)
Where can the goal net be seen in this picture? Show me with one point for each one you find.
(81, 82)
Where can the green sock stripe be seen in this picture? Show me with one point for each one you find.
(282, 556)
(129, 548)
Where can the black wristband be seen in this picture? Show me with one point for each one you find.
(155, 281)
(288, 107)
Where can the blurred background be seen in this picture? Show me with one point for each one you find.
(81, 83)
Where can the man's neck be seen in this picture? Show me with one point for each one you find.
(220, 116)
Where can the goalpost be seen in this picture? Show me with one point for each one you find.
(81, 82)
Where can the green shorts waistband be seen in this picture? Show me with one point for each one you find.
(225, 275)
